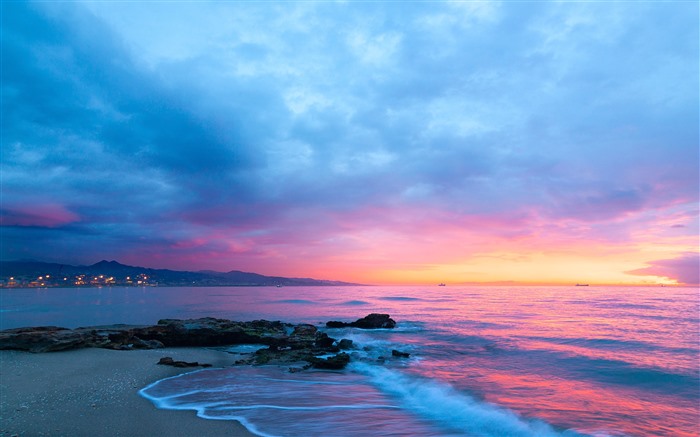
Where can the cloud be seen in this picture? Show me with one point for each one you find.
(684, 269)
(42, 215)
(267, 126)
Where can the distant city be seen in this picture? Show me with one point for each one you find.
(44, 281)
(36, 274)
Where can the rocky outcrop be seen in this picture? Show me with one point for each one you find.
(167, 333)
(42, 339)
(209, 331)
(305, 345)
(372, 321)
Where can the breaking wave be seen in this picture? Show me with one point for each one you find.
(365, 400)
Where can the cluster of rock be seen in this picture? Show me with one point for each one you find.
(167, 333)
(286, 343)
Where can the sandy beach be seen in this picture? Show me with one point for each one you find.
(94, 392)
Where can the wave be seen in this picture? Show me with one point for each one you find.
(627, 374)
(243, 348)
(457, 412)
(271, 402)
(400, 298)
(613, 344)
(571, 365)
(365, 400)
(295, 301)
(355, 302)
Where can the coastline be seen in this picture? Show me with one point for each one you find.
(90, 392)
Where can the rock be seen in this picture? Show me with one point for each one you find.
(169, 332)
(336, 324)
(168, 361)
(302, 345)
(399, 354)
(303, 337)
(371, 321)
(280, 356)
(304, 330)
(300, 349)
(41, 339)
(335, 362)
(147, 344)
(323, 341)
(374, 321)
(209, 331)
(345, 344)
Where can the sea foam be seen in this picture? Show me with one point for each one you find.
(367, 399)
(442, 404)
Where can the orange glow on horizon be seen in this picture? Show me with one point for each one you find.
(643, 249)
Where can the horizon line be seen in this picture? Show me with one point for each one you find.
(504, 282)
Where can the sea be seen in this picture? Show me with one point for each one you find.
(484, 360)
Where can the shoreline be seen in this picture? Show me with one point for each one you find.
(94, 392)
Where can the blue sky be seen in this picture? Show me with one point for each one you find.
(375, 141)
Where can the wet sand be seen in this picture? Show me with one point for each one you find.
(94, 392)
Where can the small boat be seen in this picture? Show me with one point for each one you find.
(582, 285)
(441, 284)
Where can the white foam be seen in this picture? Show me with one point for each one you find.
(366, 400)
(268, 404)
(244, 348)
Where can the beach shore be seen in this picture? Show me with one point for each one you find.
(94, 392)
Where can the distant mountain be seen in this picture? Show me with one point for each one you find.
(37, 273)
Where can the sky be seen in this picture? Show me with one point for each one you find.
(373, 142)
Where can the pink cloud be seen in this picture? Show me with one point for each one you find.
(46, 215)
(685, 269)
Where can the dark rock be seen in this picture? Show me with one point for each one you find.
(335, 362)
(42, 339)
(303, 337)
(323, 341)
(302, 346)
(345, 344)
(169, 332)
(371, 321)
(374, 321)
(281, 356)
(168, 361)
(304, 330)
(336, 324)
(399, 354)
(209, 331)
(300, 349)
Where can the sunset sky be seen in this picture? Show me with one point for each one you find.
(373, 142)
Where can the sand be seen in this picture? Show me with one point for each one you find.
(94, 392)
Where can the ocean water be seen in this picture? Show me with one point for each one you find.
(485, 361)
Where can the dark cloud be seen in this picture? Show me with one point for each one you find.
(70, 77)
